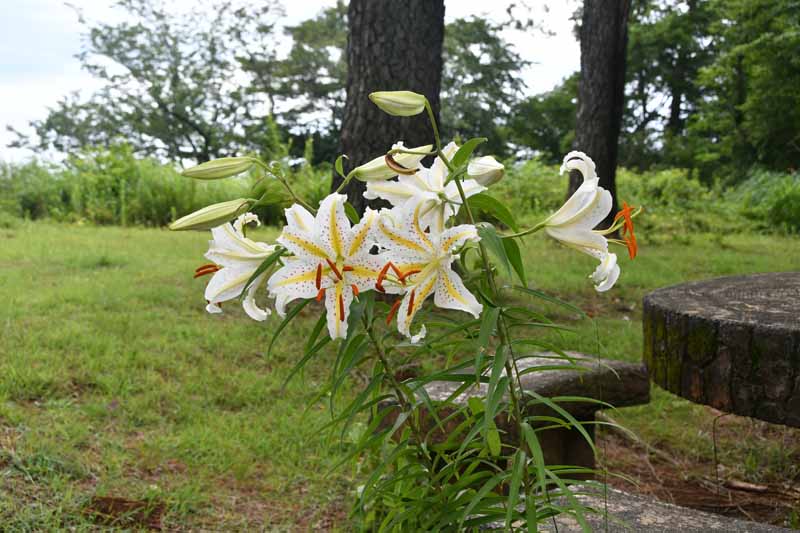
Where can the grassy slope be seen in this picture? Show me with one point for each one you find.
(114, 381)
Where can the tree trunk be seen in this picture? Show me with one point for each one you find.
(391, 45)
(601, 91)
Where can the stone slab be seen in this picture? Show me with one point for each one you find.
(732, 343)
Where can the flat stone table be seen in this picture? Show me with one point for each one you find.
(732, 343)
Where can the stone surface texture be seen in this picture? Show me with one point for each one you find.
(732, 343)
(629, 513)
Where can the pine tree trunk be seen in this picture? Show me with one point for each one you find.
(601, 91)
(391, 45)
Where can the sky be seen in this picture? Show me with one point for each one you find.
(39, 40)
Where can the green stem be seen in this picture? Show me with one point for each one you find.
(286, 185)
(429, 109)
(405, 404)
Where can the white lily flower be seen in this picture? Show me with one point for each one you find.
(574, 223)
(426, 185)
(330, 260)
(234, 260)
(606, 273)
(486, 170)
(422, 265)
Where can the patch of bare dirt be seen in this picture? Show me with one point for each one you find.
(662, 475)
(121, 512)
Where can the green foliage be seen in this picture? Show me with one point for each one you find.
(480, 81)
(545, 123)
(771, 199)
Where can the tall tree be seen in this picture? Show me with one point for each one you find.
(391, 45)
(601, 89)
(167, 83)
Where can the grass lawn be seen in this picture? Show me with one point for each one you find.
(117, 388)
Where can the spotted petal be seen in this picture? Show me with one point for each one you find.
(337, 304)
(296, 279)
(332, 225)
(452, 294)
(412, 303)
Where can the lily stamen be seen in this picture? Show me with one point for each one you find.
(397, 167)
(341, 308)
(411, 303)
(320, 295)
(382, 276)
(319, 276)
(355, 289)
(393, 311)
(409, 273)
(347, 268)
(205, 270)
(333, 267)
(627, 228)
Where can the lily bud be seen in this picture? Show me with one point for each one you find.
(485, 170)
(212, 216)
(399, 103)
(219, 168)
(379, 170)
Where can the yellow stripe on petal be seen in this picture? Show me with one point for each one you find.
(399, 239)
(452, 291)
(300, 278)
(421, 296)
(421, 234)
(308, 246)
(336, 239)
(446, 245)
(358, 238)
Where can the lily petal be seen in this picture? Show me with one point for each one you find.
(332, 225)
(606, 273)
(298, 218)
(296, 279)
(452, 294)
(249, 302)
(412, 303)
(337, 304)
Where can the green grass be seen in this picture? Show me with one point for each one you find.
(115, 382)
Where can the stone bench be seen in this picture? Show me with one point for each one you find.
(618, 383)
(629, 513)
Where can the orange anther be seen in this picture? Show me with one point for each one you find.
(393, 311)
(409, 273)
(319, 276)
(333, 267)
(411, 303)
(627, 229)
(320, 295)
(341, 308)
(382, 276)
(347, 268)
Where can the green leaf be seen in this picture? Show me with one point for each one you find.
(494, 207)
(552, 299)
(339, 165)
(493, 440)
(488, 324)
(268, 262)
(351, 213)
(515, 258)
(465, 152)
(520, 463)
(289, 316)
(494, 243)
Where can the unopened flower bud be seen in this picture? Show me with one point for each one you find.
(379, 170)
(485, 170)
(212, 216)
(399, 103)
(219, 168)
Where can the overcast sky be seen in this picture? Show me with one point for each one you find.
(39, 39)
